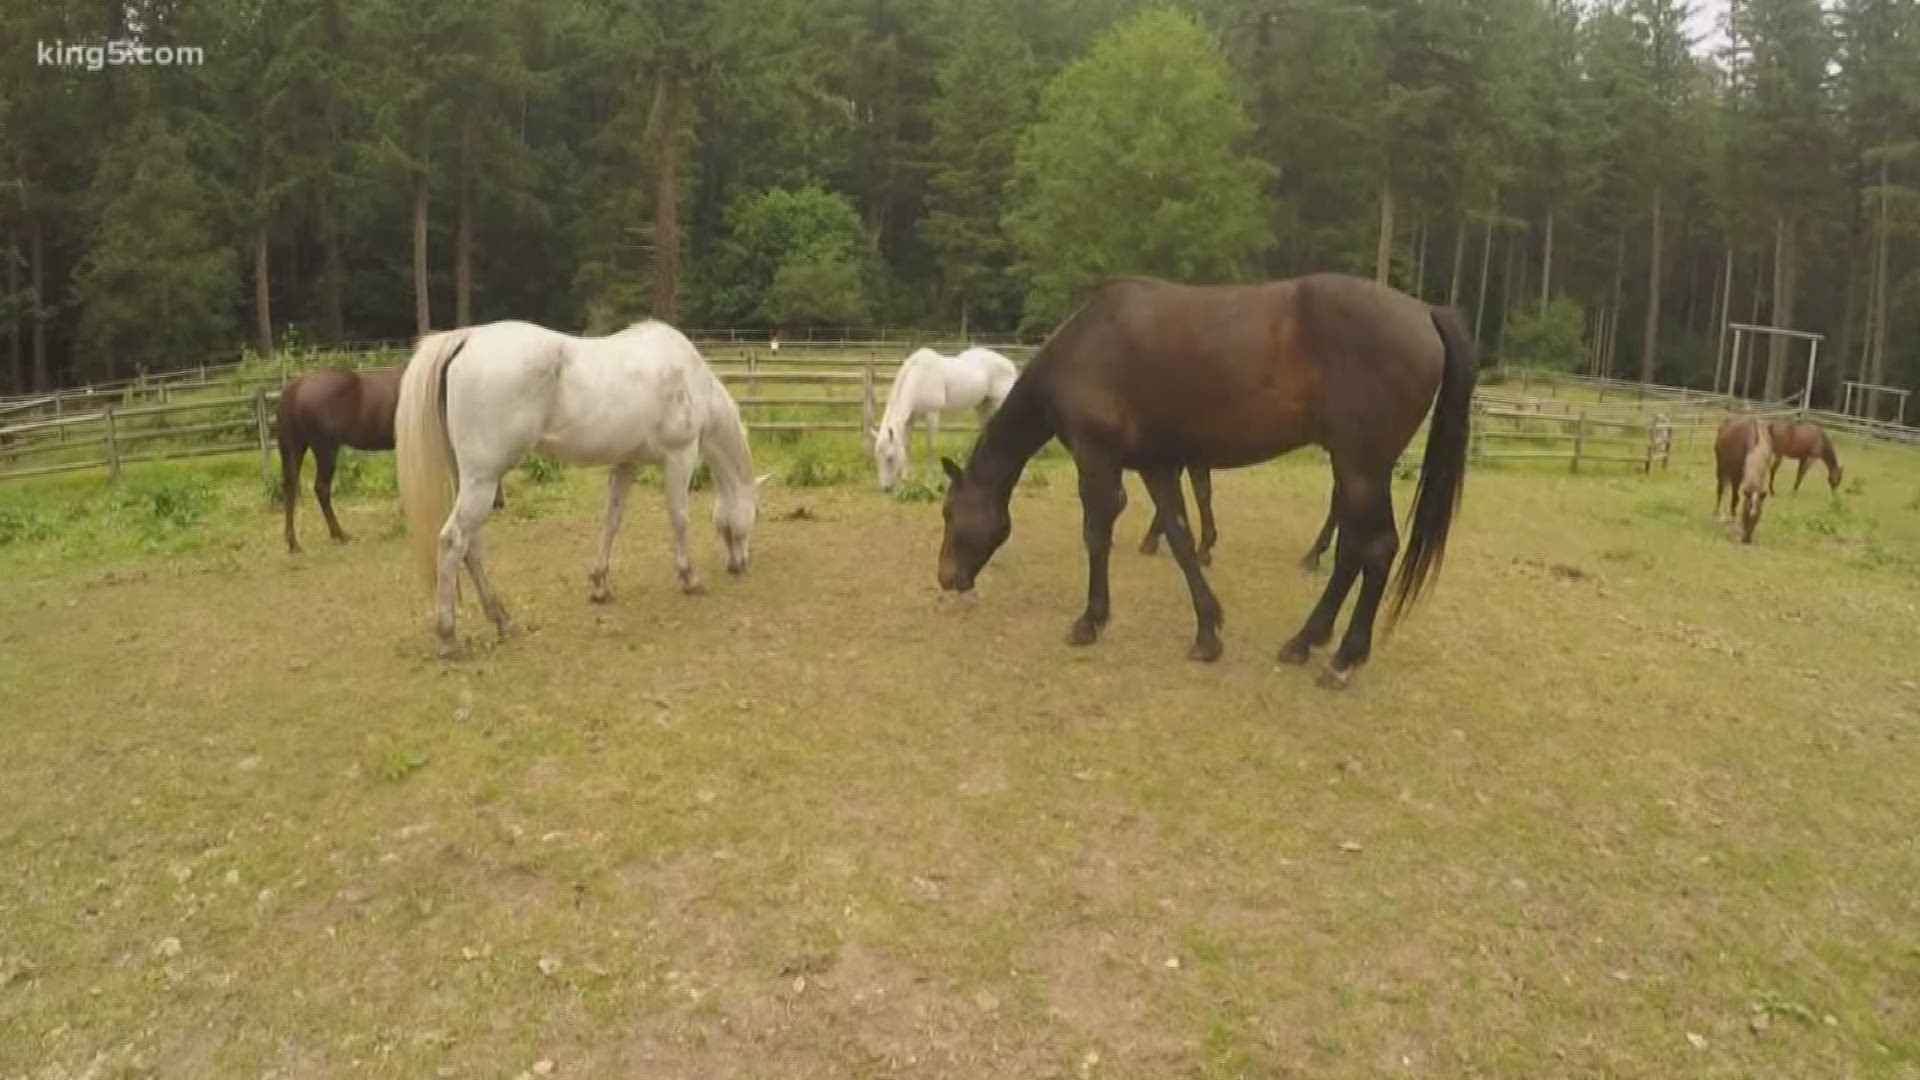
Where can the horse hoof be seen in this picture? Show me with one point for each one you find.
(1295, 651)
(1310, 563)
(693, 587)
(1332, 678)
(1083, 632)
(1149, 547)
(1205, 557)
(1205, 652)
(342, 538)
(451, 650)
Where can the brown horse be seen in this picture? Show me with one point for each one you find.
(1803, 442)
(1741, 452)
(1157, 377)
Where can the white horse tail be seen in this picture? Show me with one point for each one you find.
(422, 452)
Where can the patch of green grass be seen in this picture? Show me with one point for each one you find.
(914, 490)
(538, 469)
(816, 462)
(393, 759)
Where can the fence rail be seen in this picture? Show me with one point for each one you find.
(829, 387)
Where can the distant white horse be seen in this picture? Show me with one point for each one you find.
(928, 382)
(474, 401)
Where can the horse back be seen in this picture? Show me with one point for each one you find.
(1231, 375)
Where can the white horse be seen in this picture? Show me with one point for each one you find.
(927, 383)
(474, 401)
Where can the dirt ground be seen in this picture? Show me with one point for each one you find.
(1622, 798)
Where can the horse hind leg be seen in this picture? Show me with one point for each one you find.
(1805, 464)
(1375, 542)
(324, 459)
(292, 455)
(457, 539)
(1202, 480)
(619, 484)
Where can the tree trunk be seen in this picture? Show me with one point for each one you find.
(422, 312)
(262, 292)
(1546, 264)
(1506, 282)
(332, 273)
(1613, 316)
(1784, 287)
(1459, 256)
(16, 374)
(1420, 264)
(1722, 310)
(37, 278)
(1486, 265)
(1383, 248)
(1753, 319)
(463, 233)
(1650, 342)
(1876, 369)
(666, 198)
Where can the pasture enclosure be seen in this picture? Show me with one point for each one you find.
(1521, 416)
(1623, 798)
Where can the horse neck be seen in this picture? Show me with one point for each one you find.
(1013, 434)
(900, 402)
(724, 447)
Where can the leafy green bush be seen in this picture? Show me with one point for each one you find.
(23, 524)
(540, 470)
(1547, 337)
(913, 490)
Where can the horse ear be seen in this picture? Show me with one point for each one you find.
(761, 479)
(953, 471)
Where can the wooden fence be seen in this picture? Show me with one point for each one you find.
(833, 388)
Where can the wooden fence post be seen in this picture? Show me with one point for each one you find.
(113, 444)
(753, 372)
(866, 403)
(260, 427)
(1474, 448)
(1666, 443)
(1653, 442)
(1579, 437)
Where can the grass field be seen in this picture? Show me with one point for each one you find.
(1623, 798)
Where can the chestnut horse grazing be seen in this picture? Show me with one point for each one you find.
(1741, 453)
(1157, 377)
(1803, 442)
(325, 410)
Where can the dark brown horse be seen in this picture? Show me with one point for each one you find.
(1741, 452)
(1202, 480)
(1803, 442)
(1156, 378)
(324, 410)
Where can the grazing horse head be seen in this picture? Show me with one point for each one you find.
(890, 453)
(1753, 482)
(977, 523)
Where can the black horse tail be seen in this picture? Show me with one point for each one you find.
(1443, 472)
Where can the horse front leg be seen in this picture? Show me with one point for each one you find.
(1310, 562)
(1805, 464)
(1171, 511)
(619, 484)
(1101, 498)
(679, 479)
